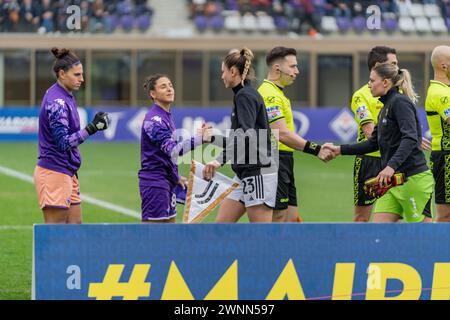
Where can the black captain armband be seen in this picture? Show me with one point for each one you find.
(312, 148)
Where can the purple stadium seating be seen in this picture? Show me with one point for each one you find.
(359, 24)
(281, 23)
(391, 25)
(217, 22)
(127, 22)
(143, 22)
(448, 23)
(201, 23)
(124, 8)
(114, 21)
(232, 5)
(343, 23)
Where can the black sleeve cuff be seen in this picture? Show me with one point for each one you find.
(312, 148)
(344, 149)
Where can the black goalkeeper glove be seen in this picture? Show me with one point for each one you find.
(100, 122)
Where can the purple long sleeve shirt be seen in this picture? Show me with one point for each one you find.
(160, 149)
(59, 132)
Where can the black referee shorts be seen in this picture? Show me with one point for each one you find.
(364, 167)
(286, 191)
(440, 166)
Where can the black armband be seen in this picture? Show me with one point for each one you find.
(312, 148)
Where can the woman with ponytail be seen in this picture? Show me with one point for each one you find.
(60, 135)
(406, 180)
(249, 146)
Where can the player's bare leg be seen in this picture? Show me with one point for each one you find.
(386, 218)
(427, 220)
(280, 215)
(230, 211)
(292, 214)
(74, 215)
(442, 212)
(55, 215)
(362, 213)
(260, 213)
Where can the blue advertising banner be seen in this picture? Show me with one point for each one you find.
(321, 124)
(242, 261)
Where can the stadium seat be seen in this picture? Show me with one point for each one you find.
(438, 25)
(233, 22)
(406, 24)
(217, 22)
(329, 24)
(266, 23)
(422, 24)
(343, 24)
(417, 10)
(127, 22)
(281, 23)
(114, 22)
(448, 23)
(201, 23)
(391, 25)
(143, 22)
(232, 5)
(432, 10)
(359, 24)
(249, 22)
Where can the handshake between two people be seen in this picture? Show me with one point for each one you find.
(328, 152)
(206, 131)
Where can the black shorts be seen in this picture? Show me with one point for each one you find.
(286, 191)
(365, 167)
(440, 166)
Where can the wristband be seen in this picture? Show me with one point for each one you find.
(312, 148)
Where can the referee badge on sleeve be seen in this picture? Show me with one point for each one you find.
(362, 112)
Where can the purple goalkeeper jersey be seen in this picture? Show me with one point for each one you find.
(160, 150)
(59, 132)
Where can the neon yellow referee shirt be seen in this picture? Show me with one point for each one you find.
(278, 107)
(437, 107)
(366, 109)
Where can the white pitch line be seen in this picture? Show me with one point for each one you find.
(84, 197)
(18, 227)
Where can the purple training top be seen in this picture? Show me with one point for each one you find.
(59, 132)
(160, 150)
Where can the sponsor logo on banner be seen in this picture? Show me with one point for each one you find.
(240, 261)
(301, 123)
(344, 125)
(135, 124)
(18, 124)
(114, 118)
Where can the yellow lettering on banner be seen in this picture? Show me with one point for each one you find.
(412, 283)
(441, 282)
(288, 284)
(227, 287)
(112, 287)
(175, 287)
(344, 275)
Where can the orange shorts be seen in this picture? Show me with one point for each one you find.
(55, 189)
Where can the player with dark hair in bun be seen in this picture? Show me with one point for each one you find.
(158, 177)
(60, 135)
